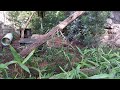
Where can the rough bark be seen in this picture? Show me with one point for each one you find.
(43, 38)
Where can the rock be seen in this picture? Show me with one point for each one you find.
(115, 29)
(115, 16)
(115, 26)
(108, 23)
(117, 43)
(106, 37)
(112, 36)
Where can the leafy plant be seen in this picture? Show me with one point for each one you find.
(94, 63)
(105, 60)
(19, 60)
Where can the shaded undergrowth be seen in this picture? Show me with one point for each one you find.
(64, 63)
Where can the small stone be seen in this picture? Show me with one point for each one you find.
(117, 42)
(106, 37)
(109, 21)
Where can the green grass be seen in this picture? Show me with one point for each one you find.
(106, 61)
(94, 63)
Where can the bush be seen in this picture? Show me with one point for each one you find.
(88, 27)
(51, 19)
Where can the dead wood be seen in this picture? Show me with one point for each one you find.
(43, 38)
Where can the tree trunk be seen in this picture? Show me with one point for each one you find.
(43, 38)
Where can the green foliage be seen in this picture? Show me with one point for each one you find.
(88, 27)
(19, 60)
(105, 60)
(50, 19)
(4, 68)
(94, 63)
(18, 18)
(100, 76)
(74, 73)
(94, 25)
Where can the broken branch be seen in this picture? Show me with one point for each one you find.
(43, 38)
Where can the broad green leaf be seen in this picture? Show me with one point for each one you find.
(3, 66)
(100, 76)
(11, 62)
(28, 57)
(16, 55)
(25, 68)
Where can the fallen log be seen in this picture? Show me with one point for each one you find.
(43, 38)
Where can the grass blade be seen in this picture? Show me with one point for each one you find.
(25, 68)
(16, 55)
(100, 76)
(59, 76)
(3, 66)
(11, 62)
(80, 51)
(105, 59)
(28, 57)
